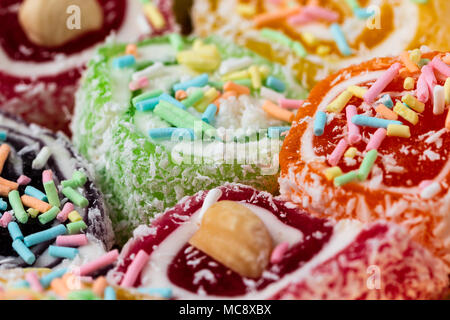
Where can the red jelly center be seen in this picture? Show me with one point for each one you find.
(198, 273)
(412, 164)
(17, 46)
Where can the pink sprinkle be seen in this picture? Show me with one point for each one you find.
(290, 103)
(23, 180)
(47, 175)
(99, 263)
(34, 282)
(139, 261)
(354, 135)
(320, 13)
(430, 78)
(382, 82)
(138, 84)
(300, 19)
(68, 208)
(338, 152)
(6, 219)
(423, 94)
(278, 252)
(376, 139)
(76, 240)
(440, 66)
(424, 183)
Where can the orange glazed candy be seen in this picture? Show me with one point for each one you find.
(409, 181)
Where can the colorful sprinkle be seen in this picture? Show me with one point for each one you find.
(398, 130)
(199, 81)
(376, 139)
(276, 112)
(354, 135)
(17, 206)
(62, 252)
(63, 215)
(35, 193)
(340, 102)
(319, 123)
(275, 84)
(279, 252)
(381, 83)
(124, 61)
(339, 38)
(409, 83)
(76, 227)
(331, 173)
(136, 266)
(41, 159)
(373, 122)
(438, 100)
(406, 113)
(14, 231)
(413, 103)
(385, 112)
(351, 152)
(209, 115)
(367, 164)
(45, 235)
(275, 132)
(23, 251)
(346, 178)
(99, 263)
(76, 240)
(75, 197)
(23, 180)
(172, 134)
(338, 152)
(110, 293)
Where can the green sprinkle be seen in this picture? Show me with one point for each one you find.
(367, 164)
(75, 197)
(82, 295)
(17, 206)
(423, 62)
(346, 178)
(353, 4)
(48, 216)
(216, 84)
(181, 118)
(33, 212)
(79, 177)
(194, 97)
(244, 82)
(276, 36)
(146, 95)
(52, 193)
(69, 183)
(176, 41)
(76, 227)
(299, 49)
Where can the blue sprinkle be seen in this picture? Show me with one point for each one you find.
(275, 132)
(171, 133)
(35, 193)
(340, 40)
(62, 252)
(168, 98)
(147, 105)
(21, 284)
(275, 84)
(200, 81)
(363, 13)
(3, 205)
(14, 231)
(373, 122)
(319, 123)
(110, 293)
(210, 113)
(23, 251)
(387, 101)
(124, 61)
(162, 292)
(48, 278)
(3, 135)
(45, 235)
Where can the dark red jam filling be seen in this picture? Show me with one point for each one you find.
(17, 46)
(417, 166)
(188, 262)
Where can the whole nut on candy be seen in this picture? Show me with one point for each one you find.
(236, 237)
(53, 23)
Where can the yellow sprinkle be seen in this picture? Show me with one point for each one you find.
(351, 152)
(332, 173)
(33, 212)
(309, 38)
(246, 10)
(413, 103)
(340, 102)
(398, 130)
(74, 216)
(154, 15)
(357, 91)
(415, 55)
(236, 75)
(209, 96)
(447, 91)
(408, 84)
(406, 113)
(323, 50)
(204, 58)
(255, 76)
(264, 71)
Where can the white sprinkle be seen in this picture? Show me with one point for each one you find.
(430, 191)
(438, 100)
(235, 64)
(41, 159)
(149, 72)
(271, 95)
